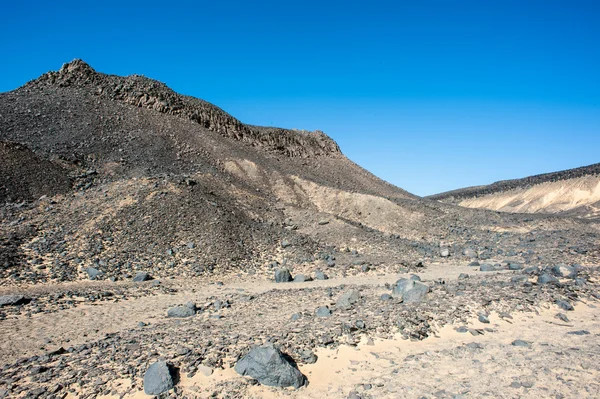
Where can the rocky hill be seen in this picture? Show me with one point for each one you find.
(152, 245)
(121, 174)
(574, 192)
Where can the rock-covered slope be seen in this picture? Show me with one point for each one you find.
(121, 174)
(574, 192)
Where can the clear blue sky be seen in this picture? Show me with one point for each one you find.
(429, 95)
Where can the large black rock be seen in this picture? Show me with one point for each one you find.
(158, 378)
(270, 367)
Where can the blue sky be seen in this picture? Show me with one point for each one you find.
(429, 95)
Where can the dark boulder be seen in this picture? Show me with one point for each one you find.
(270, 367)
(282, 276)
(158, 378)
(141, 276)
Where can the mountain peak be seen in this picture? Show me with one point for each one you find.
(151, 94)
(76, 66)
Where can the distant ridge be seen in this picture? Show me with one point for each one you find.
(505, 185)
(151, 94)
(572, 192)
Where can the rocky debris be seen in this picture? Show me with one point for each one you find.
(520, 342)
(94, 273)
(565, 305)
(562, 317)
(410, 290)
(547, 279)
(301, 278)
(470, 253)
(564, 271)
(182, 311)
(307, 356)
(270, 367)
(323, 311)
(319, 275)
(141, 276)
(347, 299)
(13, 300)
(444, 252)
(283, 276)
(579, 332)
(158, 378)
(488, 268)
(515, 266)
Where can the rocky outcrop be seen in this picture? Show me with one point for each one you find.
(143, 92)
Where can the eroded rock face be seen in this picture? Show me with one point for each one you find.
(270, 367)
(147, 93)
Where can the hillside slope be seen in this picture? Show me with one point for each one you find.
(122, 174)
(574, 192)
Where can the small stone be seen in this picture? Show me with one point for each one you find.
(180, 312)
(547, 279)
(520, 342)
(93, 273)
(301, 278)
(204, 370)
(483, 319)
(562, 317)
(564, 304)
(141, 276)
(319, 275)
(487, 268)
(323, 311)
(579, 332)
(347, 299)
(282, 276)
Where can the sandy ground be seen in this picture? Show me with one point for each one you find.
(556, 364)
(86, 322)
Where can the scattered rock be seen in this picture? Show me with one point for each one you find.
(13, 300)
(319, 275)
(301, 278)
(93, 273)
(158, 378)
(564, 304)
(579, 332)
(141, 276)
(347, 299)
(181, 311)
(487, 268)
(270, 367)
(520, 342)
(410, 290)
(547, 279)
(282, 276)
(323, 311)
(562, 317)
